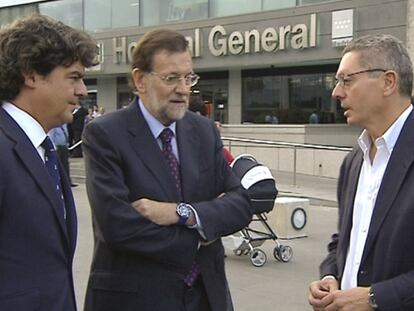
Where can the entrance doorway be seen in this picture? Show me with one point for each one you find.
(214, 94)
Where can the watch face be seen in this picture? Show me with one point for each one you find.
(183, 210)
(298, 218)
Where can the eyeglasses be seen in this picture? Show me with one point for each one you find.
(190, 79)
(344, 81)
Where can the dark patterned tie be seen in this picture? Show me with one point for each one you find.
(166, 136)
(192, 275)
(51, 162)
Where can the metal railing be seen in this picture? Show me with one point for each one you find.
(78, 143)
(281, 144)
(269, 144)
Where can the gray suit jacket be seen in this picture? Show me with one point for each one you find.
(137, 264)
(388, 259)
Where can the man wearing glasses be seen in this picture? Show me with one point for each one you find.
(161, 193)
(370, 265)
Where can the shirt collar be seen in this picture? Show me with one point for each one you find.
(28, 124)
(155, 126)
(389, 138)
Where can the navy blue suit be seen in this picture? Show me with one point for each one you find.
(137, 264)
(36, 244)
(387, 263)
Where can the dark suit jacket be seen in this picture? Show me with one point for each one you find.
(78, 121)
(36, 244)
(388, 258)
(137, 264)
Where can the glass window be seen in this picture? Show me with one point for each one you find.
(261, 97)
(9, 14)
(312, 93)
(106, 14)
(233, 7)
(301, 2)
(125, 13)
(280, 4)
(291, 98)
(97, 14)
(157, 12)
(67, 11)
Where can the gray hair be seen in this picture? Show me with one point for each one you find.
(386, 52)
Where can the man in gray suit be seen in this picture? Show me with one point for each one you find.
(161, 192)
(370, 265)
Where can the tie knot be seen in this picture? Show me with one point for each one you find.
(48, 145)
(166, 136)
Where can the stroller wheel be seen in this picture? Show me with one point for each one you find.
(285, 253)
(238, 252)
(276, 252)
(258, 257)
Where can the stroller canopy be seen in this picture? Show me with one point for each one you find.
(257, 180)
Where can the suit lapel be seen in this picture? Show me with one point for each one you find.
(348, 207)
(146, 147)
(189, 151)
(401, 159)
(71, 218)
(34, 165)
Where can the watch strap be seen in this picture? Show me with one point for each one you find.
(371, 300)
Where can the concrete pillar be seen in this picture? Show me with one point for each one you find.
(235, 96)
(107, 93)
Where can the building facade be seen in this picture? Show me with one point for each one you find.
(264, 61)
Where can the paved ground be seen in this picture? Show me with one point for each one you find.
(276, 285)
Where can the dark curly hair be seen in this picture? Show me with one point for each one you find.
(39, 44)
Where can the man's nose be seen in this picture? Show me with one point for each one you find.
(182, 86)
(337, 92)
(81, 89)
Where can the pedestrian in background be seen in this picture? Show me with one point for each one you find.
(60, 138)
(75, 129)
(370, 265)
(42, 64)
(161, 192)
(314, 118)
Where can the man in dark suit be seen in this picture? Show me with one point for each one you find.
(75, 129)
(42, 63)
(161, 193)
(370, 265)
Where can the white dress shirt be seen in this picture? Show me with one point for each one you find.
(369, 182)
(29, 125)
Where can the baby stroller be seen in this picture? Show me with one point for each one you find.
(260, 184)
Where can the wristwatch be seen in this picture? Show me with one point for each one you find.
(371, 300)
(183, 211)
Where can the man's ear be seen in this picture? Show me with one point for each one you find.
(138, 79)
(30, 79)
(391, 80)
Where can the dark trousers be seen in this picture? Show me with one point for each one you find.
(77, 136)
(63, 154)
(195, 297)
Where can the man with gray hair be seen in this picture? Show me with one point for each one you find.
(370, 265)
(161, 192)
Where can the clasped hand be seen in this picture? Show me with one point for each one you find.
(325, 296)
